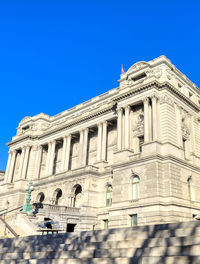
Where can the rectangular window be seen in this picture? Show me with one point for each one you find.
(134, 220)
(141, 142)
(105, 224)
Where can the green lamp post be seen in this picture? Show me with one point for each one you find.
(27, 207)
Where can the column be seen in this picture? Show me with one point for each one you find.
(38, 162)
(52, 156)
(99, 142)
(48, 159)
(68, 152)
(21, 162)
(104, 141)
(8, 167)
(64, 153)
(85, 147)
(154, 114)
(146, 120)
(25, 165)
(80, 149)
(127, 127)
(12, 166)
(119, 129)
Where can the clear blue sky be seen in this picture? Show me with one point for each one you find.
(56, 54)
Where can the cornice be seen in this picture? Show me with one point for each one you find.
(156, 157)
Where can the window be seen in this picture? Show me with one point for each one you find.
(136, 188)
(141, 142)
(134, 220)
(140, 76)
(190, 95)
(179, 85)
(105, 224)
(109, 196)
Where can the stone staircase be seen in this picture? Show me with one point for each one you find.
(176, 243)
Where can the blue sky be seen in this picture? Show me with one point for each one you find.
(56, 54)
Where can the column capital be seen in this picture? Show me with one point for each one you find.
(105, 122)
(127, 107)
(52, 141)
(154, 97)
(99, 124)
(146, 100)
(119, 109)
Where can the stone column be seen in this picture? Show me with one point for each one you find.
(104, 141)
(8, 167)
(38, 162)
(21, 162)
(64, 153)
(48, 159)
(119, 129)
(68, 152)
(25, 165)
(12, 166)
(99, 142)
(146, 120)
(127, 127)
(52, 156)
(80, 149)
(154, 110)
(85, 147)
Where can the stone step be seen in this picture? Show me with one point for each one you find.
(127, 235)
(140, 260)
(152, 242)
(158, 251)
(149, 242)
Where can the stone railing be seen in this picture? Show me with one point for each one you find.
(49, 208)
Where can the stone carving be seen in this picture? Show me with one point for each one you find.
(138, 124)
(157, 73)
(184, 128)
(166, 99)
(137, 66)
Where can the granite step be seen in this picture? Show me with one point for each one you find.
(141, 260)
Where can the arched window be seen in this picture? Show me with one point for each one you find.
(109, 195)
(77, 195)
(40, 197)
(57, 195)
(135, 187)
(190, 189)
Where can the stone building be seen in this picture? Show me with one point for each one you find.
(129, 156)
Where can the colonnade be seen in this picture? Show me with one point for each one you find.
(25, 152)
(151, 132)
(151, 123)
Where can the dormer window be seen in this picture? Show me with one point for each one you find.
(140, 76)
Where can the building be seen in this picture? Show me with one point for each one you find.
(129, 156)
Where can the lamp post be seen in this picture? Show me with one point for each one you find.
(27, 207)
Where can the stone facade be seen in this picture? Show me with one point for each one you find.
(129, 156)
